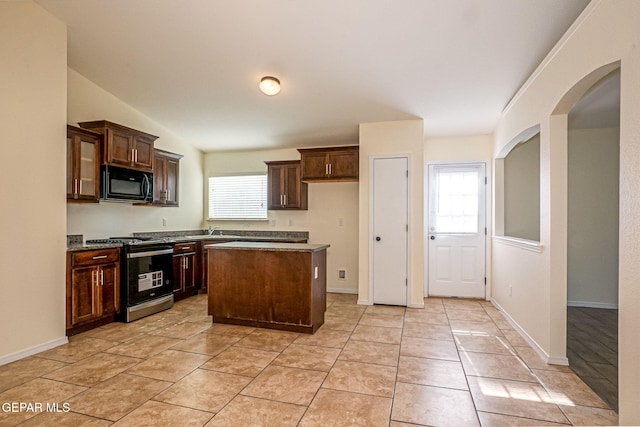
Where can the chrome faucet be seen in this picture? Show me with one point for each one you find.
(213, 230)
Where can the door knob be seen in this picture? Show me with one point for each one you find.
(433, 237)
(378, 238)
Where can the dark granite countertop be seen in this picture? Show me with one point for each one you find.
(235, 238)
(76, 242)
(244, 235)
(269, 246)
(84, 247)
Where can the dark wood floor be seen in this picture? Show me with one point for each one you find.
(592, 349)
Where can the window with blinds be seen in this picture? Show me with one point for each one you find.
(238, 197)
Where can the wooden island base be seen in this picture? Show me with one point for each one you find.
(268, 285)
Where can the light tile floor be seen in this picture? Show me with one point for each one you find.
(453, 363)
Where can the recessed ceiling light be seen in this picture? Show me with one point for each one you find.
(270, 85)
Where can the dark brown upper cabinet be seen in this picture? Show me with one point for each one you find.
(83, 165)
(166, 178)
(123, 146)
(329, 164)
(285, 190)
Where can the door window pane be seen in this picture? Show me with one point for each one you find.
(454, 203)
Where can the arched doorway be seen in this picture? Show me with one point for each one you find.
(593, 137)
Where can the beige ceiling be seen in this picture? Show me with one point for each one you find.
(194, 65)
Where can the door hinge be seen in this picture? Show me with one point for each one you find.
(406, 227)
(485, 180)
(485, 281)
(485, 231)
(407, 173)
(406, 282)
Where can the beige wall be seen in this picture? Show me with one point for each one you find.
(33, 48)
(592, 267)
(332, 216)
(522, 190)
(392, 138)
(87, 101)
(589, 46)
(458, 148)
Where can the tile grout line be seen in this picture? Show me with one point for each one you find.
(466, 377)
(332, 365)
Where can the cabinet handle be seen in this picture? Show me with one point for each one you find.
(99, 256)
(285, 200)
(168, 193)
(326, 169)
(133, 158)
(101, 277)
(136, 156)
(79, 186)
(330, 168)
(186, 262)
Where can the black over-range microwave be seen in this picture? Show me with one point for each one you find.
(120, 184)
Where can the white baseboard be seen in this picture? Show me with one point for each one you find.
(551, 360)
(33, 350)
(558, 361)
(366, 302)
(589, 304)
(342, 291)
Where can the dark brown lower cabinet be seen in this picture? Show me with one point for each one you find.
(93, 288)
(185, 270)
(204, 262)
(276, 289)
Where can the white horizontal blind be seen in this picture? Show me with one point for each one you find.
(238, 197)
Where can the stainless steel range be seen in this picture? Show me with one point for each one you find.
(147, 275)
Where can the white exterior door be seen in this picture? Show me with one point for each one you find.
(390, 194)
(457, 230)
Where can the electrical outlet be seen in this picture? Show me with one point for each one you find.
(340, 222)
(342, 273)
(164, 222)
(272, 222)
(290, 222)
(510, 290)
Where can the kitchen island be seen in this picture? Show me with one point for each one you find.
(268, 285)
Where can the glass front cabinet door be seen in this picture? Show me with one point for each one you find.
(83, 165)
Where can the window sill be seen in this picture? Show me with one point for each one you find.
(527, 245)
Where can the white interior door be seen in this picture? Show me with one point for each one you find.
(457, 230)
(390, 230)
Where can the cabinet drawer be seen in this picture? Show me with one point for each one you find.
(180, 248)
(102, 256)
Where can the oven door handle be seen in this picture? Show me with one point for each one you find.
(149, 253)
(184, 254)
